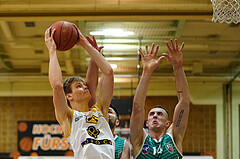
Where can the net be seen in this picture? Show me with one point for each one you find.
(226, 11)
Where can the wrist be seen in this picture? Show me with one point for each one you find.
(84, 43)
(176, 67)
(147, 72)
(52, 51)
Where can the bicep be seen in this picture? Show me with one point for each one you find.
(105, 92)
(62, 111)
(137, 133)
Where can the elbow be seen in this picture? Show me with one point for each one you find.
(56, 85)
(109, 72)
(137, 107)
(185, 102)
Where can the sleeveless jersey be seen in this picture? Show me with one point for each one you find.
(119, 143)
(90, 135)
(163, 149)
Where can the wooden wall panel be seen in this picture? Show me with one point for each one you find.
(200, 135)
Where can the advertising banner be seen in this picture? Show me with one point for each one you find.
(41, 138)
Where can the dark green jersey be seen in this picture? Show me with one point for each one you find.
(119, 143)
(163, 149)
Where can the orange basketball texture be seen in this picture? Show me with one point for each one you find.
(65, 36)
(26, 144)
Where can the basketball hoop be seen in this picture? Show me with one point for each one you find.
(226, 11)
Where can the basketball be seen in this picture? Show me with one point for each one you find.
(65, 36)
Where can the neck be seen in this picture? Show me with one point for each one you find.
(80, 106)
(157, 134)
(113, 132)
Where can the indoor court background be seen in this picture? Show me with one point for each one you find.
(211, 61)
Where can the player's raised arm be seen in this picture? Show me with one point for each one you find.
(62, 111)
(181, 112)
(106, 81)
(137, 134)
(92, 72)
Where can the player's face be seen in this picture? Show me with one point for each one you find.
(112, 117)
(157, 118)
(80, 91)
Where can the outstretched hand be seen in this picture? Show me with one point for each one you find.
(175, 57)
(50, 43)
(150, 63)
(94, 43)
(81, 41)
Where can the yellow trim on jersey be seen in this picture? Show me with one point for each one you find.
(95, 105)
(66, 136)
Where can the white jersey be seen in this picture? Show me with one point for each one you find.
(90, 135)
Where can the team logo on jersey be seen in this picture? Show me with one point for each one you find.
(145, 149)
(169, 147)
(92, 119)
(78, 118)
(93, 132)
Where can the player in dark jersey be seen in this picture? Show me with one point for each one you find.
(122, 148)
(164, 140)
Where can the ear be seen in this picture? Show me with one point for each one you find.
(147, 123)
(117, 123)
(168, 123)
(69, 97)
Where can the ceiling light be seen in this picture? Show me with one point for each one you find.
(114, 58)
(118, 41)
(138, 66)
(117, 58)
(112, 32)
(125, 47)
(114, 66)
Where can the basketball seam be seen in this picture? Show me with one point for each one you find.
(70, 38)
(60, 36)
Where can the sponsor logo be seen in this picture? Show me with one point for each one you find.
(78, 118)
(169, 147)
(92, 119)
(145, 149)
(96, 142)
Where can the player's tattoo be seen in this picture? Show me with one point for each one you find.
(179, 91)
(180, 118)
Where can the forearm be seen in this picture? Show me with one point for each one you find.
(181, 84)
(98, 59)
(141, 91)
(138, 112)
(92, 80)
(55, 74)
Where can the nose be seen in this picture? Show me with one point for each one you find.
(155, 115)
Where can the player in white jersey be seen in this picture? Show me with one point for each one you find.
(85, 127)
